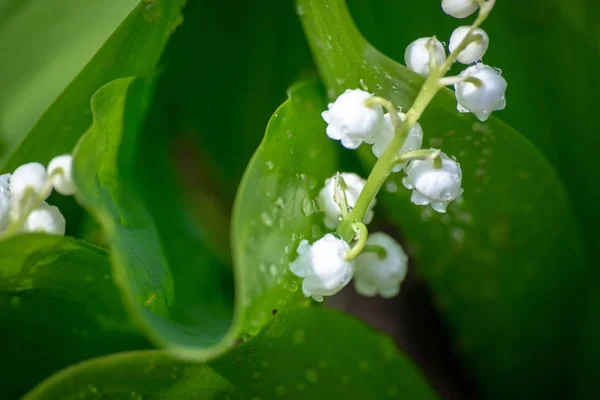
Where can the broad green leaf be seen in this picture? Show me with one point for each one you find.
(43, 45)
(505, 263)
(58, 306)
(173, 283)
(132, 50)
(310, 353)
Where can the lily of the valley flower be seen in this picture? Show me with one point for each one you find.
(354, 185)
(350, 120)
(323, 266)
(483, 98)
(60, 172)
(413, 141)
(381, 272)
(431, 185)
(28, 177)
(45, 219)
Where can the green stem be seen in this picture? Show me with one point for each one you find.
(430, 88)
(361, 230)
(380, 251)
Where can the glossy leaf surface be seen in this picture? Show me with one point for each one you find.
(58, 306)
(307, 353)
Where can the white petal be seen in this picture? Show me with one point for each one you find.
(60, 171)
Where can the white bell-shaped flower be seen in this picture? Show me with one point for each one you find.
(4, 201)
(481, 99)
(323, 266)
(30, 176)
(46, 219)
(60, 171)
(474, 50)
(350, 121)
(459, 8)
(354, 185)
(381, 273)
(416, 56)
(431, 185)
(413, 141)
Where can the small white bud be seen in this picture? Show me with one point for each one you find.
(416, 56)
(475, 50)
(354, 185)
(32, 175)
(381, 273)
(484, 99)
(323, 266)
(60, 170)
(459, 8)
(413, 141)
(435, 186)
(350, 120)
(46, 219)
(4, 201)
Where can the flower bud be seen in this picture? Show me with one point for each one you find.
(416, 56)
(459, 8)
(475, 50)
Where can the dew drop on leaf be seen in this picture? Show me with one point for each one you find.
(299, 337)
(308, 206)
(280, 390)
(312, 375)
(266, 219)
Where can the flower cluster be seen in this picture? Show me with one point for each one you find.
(376, 262)
(23, 195)
(479, 89)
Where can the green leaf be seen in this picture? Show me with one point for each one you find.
(58, 306)
(310, 353)
(43, 45)
(132, 50)
(173, 283)
(499, 257)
